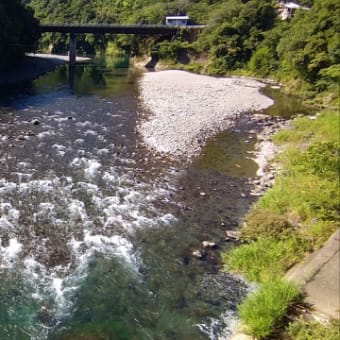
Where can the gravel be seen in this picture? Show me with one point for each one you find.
(185, 109)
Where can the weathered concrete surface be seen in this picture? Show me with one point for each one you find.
(318, 278)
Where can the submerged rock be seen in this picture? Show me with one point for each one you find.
(209, 244)
(231, 235)
(198, 254)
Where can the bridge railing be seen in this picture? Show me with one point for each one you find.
(140, 29)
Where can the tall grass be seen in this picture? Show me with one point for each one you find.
(323, 127)
(265, 308)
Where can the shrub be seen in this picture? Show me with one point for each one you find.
(266, 307)
(262, 62)
(171, 50)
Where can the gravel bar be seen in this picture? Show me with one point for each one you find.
(185, 108)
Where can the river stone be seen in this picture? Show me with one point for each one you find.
(198, 254)
(209, 244)
(231, 235)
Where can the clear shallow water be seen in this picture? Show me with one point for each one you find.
(285, 105)
(96, 235)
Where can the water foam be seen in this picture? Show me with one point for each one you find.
(222, 328)
(9, 254)
(97, 214)
(54, 225)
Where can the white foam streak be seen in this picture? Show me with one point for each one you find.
(220, 329)
(114, 246)
(95, 212)
(9, 254)
(57, 286)
(77, 211)
(89, 166)
(92, 168)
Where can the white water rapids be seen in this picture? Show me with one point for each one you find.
(95, 231)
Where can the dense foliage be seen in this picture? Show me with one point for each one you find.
(18, 32)
(242, 35)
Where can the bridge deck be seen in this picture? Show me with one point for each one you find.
(117, 28)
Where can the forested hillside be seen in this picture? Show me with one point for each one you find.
(243, 36)
(17, 33)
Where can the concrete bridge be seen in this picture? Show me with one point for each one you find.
(139, 29)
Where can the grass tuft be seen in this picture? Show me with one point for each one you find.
(263, 223)
(265, 259)
(266, 307)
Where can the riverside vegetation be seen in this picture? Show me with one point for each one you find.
(294, 217)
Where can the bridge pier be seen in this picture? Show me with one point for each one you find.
(72, 51)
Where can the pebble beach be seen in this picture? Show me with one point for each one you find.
(185, 109)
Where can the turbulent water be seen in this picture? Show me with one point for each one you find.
(96, 234)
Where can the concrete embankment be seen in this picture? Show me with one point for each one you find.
(319, 278)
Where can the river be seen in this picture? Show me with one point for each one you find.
(96, 235)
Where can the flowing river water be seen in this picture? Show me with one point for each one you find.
(96, 234)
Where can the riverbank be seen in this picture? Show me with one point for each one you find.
(186, 109)
(296, 216)
(33, 66)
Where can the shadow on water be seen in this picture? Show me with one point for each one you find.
(103, 76)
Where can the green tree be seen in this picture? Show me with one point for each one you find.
(312, 42)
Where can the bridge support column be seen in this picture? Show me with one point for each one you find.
(72, 51)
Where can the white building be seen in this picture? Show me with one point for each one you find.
(287, 9)
(176, 20)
